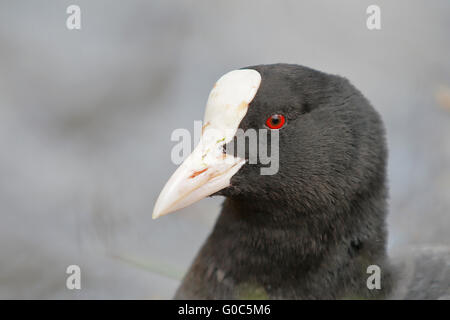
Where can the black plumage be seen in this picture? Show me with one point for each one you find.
(311, 230)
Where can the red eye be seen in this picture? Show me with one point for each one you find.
(275, 121)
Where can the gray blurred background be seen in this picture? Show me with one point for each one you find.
(86, 118)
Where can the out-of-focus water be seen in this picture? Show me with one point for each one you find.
(86, 118)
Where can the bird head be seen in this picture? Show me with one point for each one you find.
(320, 134)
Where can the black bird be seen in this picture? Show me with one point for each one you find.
(312, 229)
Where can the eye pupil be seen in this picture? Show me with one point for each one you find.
(275, 121)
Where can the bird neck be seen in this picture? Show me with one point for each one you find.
(257, 243)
